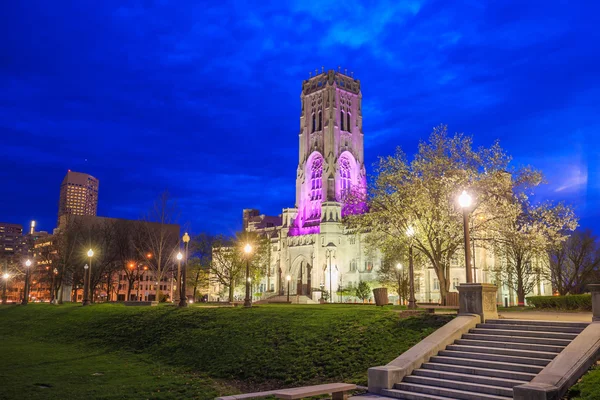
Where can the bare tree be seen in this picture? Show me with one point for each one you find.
(157, 240)
(574, 263)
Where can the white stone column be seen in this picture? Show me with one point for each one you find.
(595, 289)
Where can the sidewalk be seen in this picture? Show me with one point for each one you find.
(547, 316)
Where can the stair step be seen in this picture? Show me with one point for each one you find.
(476, 371)
(537, 334)
(538, 323)
(459, 385)
(535, 369)
(502, 351)
(510, 345)
(402, 394)
(517, 339)
(537, 328)
(447, 392)
(495, 357)
(477, 379)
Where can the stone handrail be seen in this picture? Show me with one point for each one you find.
(570, 365)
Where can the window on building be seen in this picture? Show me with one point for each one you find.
(436, 284)
(314, 122)
(345, 178)
(348, 124)
(342, 120)
(455, 283)
(353, 266)
(316, 184)
(320, 121)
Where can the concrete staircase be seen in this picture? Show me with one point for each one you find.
(489, 361)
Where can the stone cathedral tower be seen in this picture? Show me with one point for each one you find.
(331, 155)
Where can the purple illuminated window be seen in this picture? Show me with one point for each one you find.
(345, 177)
(316, 187)
(348, 124)
(342, 117)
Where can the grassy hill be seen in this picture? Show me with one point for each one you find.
(111, 351)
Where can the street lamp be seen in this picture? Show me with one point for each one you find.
(86, 300)
(412, 302)
(465, 202)
(26, 287)
(329, 249)
(53, 289)
(5, 277)
(182, 297)
(248, 251)
(179, 258)
(87, 279)
(399, 275)
(288, 279)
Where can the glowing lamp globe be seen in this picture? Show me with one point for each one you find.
(465, 199)
(28, 263)
(179, 256)
(90, 253)
(410, 231)
(247, 248)
(288, 278)
(398, 266)
(5, 276)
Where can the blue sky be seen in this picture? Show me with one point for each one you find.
(202, 98)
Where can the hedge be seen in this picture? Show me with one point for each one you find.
(580, 302)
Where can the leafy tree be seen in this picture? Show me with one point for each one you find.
(422, 194)
(201, 251)
(363, 290)
(574, 263)
(523, 237)
(228, 265)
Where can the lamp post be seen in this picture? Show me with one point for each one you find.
(399, 275)
(465, 202)
(329, 249)
(26, 287)
(5, 277)
(247, 300)
(182, 295)
(412, 302)
(288, 279)
(52, 288)
(179, 257)
(86, 298)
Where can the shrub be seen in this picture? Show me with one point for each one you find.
(580, 302)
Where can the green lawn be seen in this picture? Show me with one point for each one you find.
(588, 388)
(112, 351)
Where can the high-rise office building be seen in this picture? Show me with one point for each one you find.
(78, 195)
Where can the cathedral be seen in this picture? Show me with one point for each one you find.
(311, 251)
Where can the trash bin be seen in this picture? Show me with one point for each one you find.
(381, 296)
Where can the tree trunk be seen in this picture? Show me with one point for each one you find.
(231, 291)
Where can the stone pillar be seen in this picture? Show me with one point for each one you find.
(595, 289)
(480, 299)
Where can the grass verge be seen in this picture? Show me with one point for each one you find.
(251, 349)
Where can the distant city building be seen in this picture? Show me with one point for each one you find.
(78, 195)
(11, 239)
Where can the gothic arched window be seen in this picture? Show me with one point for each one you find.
(316, 186)
(348, 124)
(342, 120)
(345, 176)
(314, 122)
(320, 120)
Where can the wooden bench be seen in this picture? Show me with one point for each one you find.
(431, 308)
(338, 391)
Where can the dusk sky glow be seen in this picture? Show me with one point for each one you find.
(203, 98)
